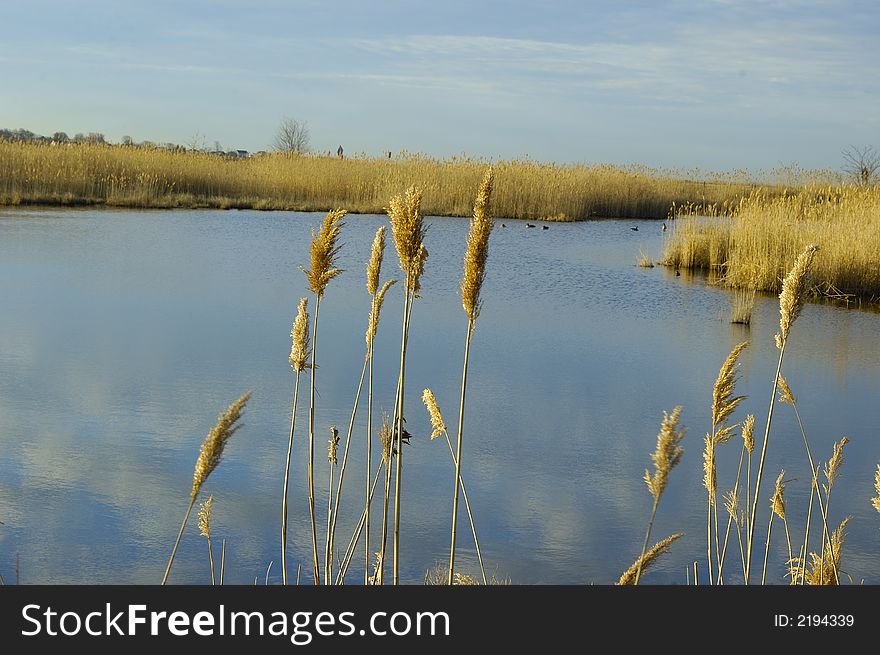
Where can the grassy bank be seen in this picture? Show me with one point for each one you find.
(97, 174)
(752, 246)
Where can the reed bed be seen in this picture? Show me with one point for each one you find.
(744, 502)
(750, 244)
(807, 563)
(125, 176)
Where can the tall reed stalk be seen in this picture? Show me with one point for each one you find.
(408, 229)
(786, 396)
(374, 270)
(791, 300)
(832, 472)
(323, 252)
(475, 256)
(666, 457)
(386, 438)
(209, 458)
(724, 403)
(332, 446)
(299, 354)
(377, 295)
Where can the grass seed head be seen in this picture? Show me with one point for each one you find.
(374, 267)
(724, 403)
(667, 454)
(439, 427)
(875, 501)
(323, 252)
(629, 576)
(832, 468)
(332, 444)
(212, 448)
(408, 229)
(299, 336)
(375, 311)
(777, 500)
(748, 434)
(785, 394)
(205, 512)
(477, 251)
(794, 291)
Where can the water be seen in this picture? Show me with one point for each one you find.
(124, 334)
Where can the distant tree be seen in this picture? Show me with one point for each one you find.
(95, 137)
(127, 141)
(863, 164)
(60, 137)
(79, 137)
(292, 137)
(197, 142)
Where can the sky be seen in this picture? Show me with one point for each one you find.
(713, 84)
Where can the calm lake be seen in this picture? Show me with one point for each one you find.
(124, 333)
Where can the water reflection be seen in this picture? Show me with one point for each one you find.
(125, 333)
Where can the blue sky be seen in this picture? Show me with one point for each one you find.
(715, 84)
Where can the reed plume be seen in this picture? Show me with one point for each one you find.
(209, 458)
(785, 394)
(825, 569)
(299, 355)
(632, 574)
(205, 512)
(832, 468)
(299, 338)
(710, 481)
(777, 508)
(373, 324)
(477, 251)
(475, 257)
(748, 433)
(791, 300)
(323, 251)
(374, 266)
(438, 426)
(875, 501)
(408, 229)
(794, 291)
(724, 403)
(666, 457)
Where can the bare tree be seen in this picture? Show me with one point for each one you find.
(292, 137)
(863, 164)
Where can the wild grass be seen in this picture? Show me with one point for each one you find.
(743, 305)
(122, 176)
(209, 458)
(806, 564)
(644, 260)
(751, 244)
